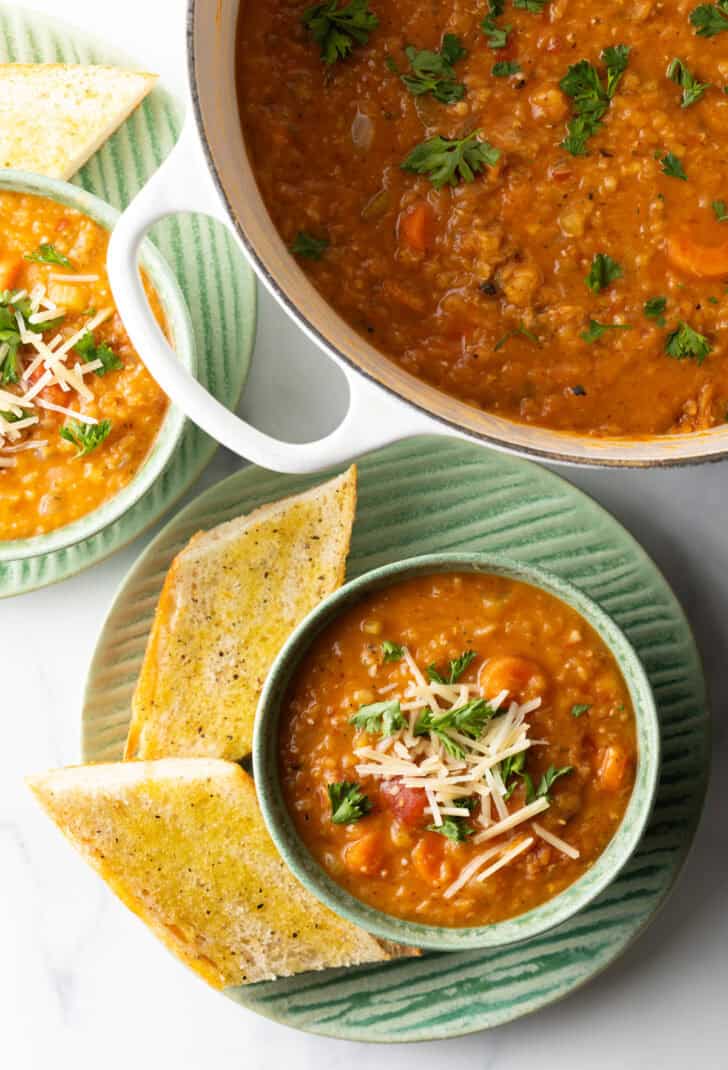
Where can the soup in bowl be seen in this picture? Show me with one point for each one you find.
(456, 751)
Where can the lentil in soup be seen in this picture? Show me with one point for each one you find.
(79, 412)
(457, 749)
(561, 258)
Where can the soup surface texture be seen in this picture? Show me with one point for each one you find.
(457, 749)
(78, 410)
(565, 267)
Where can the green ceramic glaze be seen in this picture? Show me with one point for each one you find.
(436, 495)
(216, 282)
(437, 938)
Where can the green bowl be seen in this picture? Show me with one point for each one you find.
(180, 328)
(441, 938)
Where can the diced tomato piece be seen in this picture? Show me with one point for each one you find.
(408, 804)
(416, 226)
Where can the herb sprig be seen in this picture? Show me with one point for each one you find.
(434, 72)
(338, 29)
(48, 254)
(710, 19)
(88, 350)
(85, 437)
(684, 343)
(456, 668)
(453, 828)
(308, 246)
(447, 161)
(348, 802)
(602, 272)
(692, 89)
(384, 717)
(595, 330)
(654, 309)
(591, 97)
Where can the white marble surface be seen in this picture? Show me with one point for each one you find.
(83, 985)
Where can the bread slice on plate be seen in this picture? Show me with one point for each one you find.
(230, 600)
(54, 116)
(183, 844)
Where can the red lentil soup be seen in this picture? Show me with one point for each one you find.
(457, 749)
(79, 412)
(566, 265)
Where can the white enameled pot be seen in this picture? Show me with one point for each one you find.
(209, 172)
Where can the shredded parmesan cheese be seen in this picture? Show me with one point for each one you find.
(555, 841)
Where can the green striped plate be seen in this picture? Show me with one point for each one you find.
(422, 496)
(203, 256)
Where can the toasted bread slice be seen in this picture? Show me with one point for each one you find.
(53, 116)
(183, 844)
(230, 600)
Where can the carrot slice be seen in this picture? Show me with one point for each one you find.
(415, 228)
(9, 271)
(696, 258)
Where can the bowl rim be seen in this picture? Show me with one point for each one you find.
(180, 325)
(522, 927)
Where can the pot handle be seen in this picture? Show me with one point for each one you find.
(183, 184)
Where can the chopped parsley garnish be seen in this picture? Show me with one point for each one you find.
(454, 828)
(497, 35)
(392, 651)
(506, 68)
(496, 7)
(534, 6)
(511, 768)
(86, 437)
(591, 98)
(520, 329)
(88, 350)
(685, 343)
(348, 802)
(48, 254)
(338, 29)
(445, 161)
(603, 270)
(654, 309)
(720, 211)
(547, 781)
(9, 336)
(383, 717)
(710, 19)
(309, 247)
(457, 667)
(468, 719)
(433, 72)
(672, 167)
(595, 330)
(579, 709)
(692, 89)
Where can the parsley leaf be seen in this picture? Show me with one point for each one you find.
(596, 329)
(48, 254)
(720, 211)
(684, 343)
(603, 270)
(88, 350)
(432, 72)
(384, 717)
(446, 160)
(469, 719)
(510, 768)
(454, 828)
(547, 781)
(86, 437)
(672, 167)
(497, 35)
(505, 68)
(590, 97)
(338, 29)
(309, 247)
(534, 6)
(9, 336)
(579, 709)
(520, 329)
(457, 667)
(710, 19)
(348, 802)
(654, 309)
(392, 651)
(496, 7)
(692, 89)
